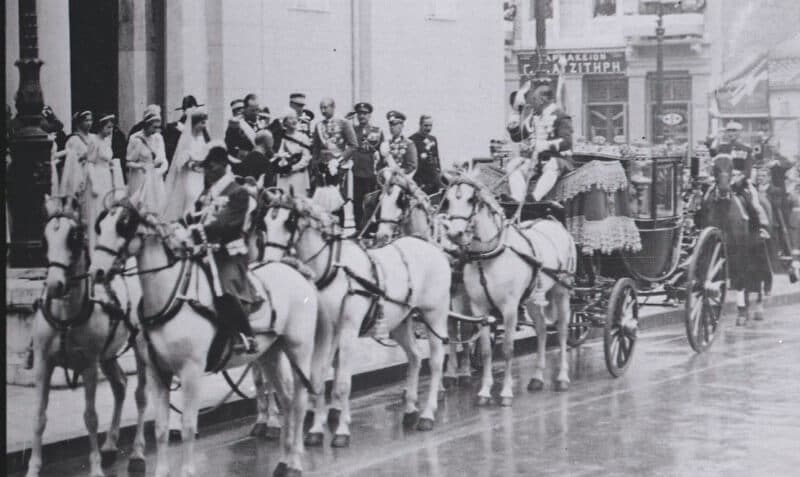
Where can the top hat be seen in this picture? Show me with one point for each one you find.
(189, 101)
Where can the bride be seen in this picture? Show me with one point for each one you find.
(184, 180)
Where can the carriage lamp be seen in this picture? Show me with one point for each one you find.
(641, 179)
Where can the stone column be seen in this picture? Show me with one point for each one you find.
(637, 107)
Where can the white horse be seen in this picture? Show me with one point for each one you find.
(180, 326)
(407, 277)
(508, 266)
(404, 209)
(78, 331)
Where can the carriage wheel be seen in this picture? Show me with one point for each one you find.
(578, 328)
(621, 327)
(706, 285)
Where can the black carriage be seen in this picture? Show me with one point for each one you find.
(678, 264)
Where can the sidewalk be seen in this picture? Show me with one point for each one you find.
(378, 365)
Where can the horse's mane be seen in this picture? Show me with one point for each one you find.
(484, 193)
(304, 206)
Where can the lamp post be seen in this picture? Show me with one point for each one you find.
(28, 175)
(658, 130)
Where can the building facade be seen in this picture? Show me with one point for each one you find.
(605, 53)
(439, 57)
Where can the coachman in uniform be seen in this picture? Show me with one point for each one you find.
(365, 158)
(221, 211)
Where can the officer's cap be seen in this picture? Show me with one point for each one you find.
(733, 126)
(363, 107)
(298, 98)
(395, 117)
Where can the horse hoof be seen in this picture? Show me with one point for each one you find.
(410, 418)
(108, 457)
(482, 401)
(333, 419)
(175, 436)
(441, 395)
(308, 421)
(136, 465)
(506, 401)
(272, 433)
(535, 385)
(313, 439)
(465, 381)
(340, 440)
(562, 386)
(259, 430)
(281, 470)
(425, 424)
(449, 381)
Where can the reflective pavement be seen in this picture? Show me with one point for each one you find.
(732, 411)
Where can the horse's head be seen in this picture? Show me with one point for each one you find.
(399, 195)
(117, 238)
(723, 173)
(466, 205)
(64, 236)
(286, 219)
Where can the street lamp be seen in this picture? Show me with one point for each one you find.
(658, 129)
(29, 172)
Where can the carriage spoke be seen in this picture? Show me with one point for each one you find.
(714, 257)
(714, 271)
(695, 320)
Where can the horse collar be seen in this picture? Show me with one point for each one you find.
(331, 271)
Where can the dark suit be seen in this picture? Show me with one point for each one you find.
(237, 141)
(429, 165)
(369, 139)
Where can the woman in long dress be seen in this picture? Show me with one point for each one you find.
(147, 162)
(293, 157)
(184, 178)
(103, 173)
(73, 175)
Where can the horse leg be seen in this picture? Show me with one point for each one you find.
(560, 305)
(136, 462)
(510, 318)
(262, 405)
(436, 363)
(487, 380)
(160, 391)
(44, 371)
(190, 385)
(343, 382)
(741, 307)
(296, 403)
(118, 381)
(90, 419)
(761, 299)
(450, 377)
(537, 381)
(404, 335)
(321, 358)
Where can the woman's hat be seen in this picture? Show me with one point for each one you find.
(189, 101)
(106, 118)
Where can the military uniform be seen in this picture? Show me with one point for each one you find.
(429, 165)
(240, 137)
(369, 139)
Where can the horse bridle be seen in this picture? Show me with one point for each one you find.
(477, 204)
(293, 222)
(76, 234)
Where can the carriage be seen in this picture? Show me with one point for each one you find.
(677, 264)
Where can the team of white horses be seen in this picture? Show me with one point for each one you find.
(309, 320)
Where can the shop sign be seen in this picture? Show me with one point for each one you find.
(672, 119)
(575, 63)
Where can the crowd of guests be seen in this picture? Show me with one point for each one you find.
(333, 159)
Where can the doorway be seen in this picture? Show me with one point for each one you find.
(94, 55)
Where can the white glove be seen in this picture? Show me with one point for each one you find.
(333, 166)
(383, 149)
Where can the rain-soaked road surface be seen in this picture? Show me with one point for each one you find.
(732, 411)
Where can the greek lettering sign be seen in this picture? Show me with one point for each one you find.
(575, 63)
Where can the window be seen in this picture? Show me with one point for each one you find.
(606, 107)
(548, 8)
(650, 7)
(605, 8)
(312, 5)
(442, 10)
(675, 121)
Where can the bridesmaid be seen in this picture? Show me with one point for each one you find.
(103, 172)
(73, 176)
(147, 163)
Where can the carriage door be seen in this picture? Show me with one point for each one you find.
(676, 113)
(606, 107)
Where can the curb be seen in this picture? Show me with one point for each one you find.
(79, 446)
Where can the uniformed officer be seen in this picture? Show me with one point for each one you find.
(429, 167)
(221, 211)
(240, 138)
(729, 144)
(398, 151)
(297, 102)
(369, 138)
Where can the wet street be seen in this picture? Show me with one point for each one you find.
(732, 411)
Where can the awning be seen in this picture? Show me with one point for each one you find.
(744, 94)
